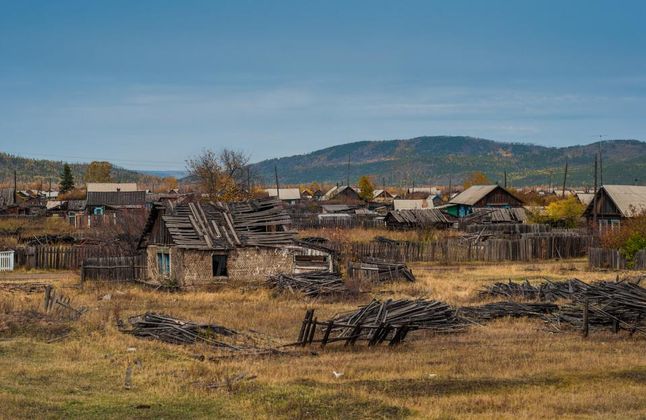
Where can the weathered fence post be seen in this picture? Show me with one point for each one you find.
(586, 325)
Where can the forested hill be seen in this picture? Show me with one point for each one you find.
(35, 170)
(426, 160)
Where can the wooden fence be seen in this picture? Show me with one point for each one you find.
(306, 222)
(61, 257)
(612, 259)
(122, 268)
(450, 251)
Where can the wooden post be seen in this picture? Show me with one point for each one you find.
(586, 320)
(48, 292)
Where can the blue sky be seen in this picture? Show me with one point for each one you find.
(146, 84)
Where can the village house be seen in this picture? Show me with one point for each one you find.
(289, 195)
(481, 196)
(344, 194)
(197, 244)
(615, 203)
(382, 196)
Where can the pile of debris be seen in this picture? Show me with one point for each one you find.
(380, 270)
(176, 331)
(547, 291)
(378, 322)
(311, 284)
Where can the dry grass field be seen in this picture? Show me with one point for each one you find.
(505, 369)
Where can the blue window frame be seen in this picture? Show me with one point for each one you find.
(163, 263)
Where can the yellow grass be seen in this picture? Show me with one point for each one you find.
(506, 369)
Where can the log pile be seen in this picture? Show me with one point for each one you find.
(380, 270)
(312, 284)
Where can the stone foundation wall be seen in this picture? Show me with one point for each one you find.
(193, 268)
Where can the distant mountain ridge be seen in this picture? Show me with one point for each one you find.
(33, 170)
(435, 160)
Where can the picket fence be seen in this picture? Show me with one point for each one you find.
(6, 260)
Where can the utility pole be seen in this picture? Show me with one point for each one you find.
(50, 187)
(383, 181)
(450, 188)
(594, 198)
(600, 164)
(550, 190)
(15, 187)
(565, 177)
(248, 180)
(347, 179)
(277, 186)
(505, 179)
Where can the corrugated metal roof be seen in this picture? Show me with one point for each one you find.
(473, 194)
(412, 204)
(285, 193)
(111, 186)
(585, 198)
(630, 199)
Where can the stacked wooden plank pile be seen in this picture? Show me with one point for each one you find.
(380, 270)
(548, 291)
(176, 331)
(379, 322)
(417, 314)
(620, 304)
(312, 284)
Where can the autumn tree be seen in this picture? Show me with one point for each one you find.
(98, 172)
(566, 212)
(67, 180)
(222, 176)
(476, 178)
(367, 188)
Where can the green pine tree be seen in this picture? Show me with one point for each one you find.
(67, 180)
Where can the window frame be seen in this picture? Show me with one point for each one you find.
(222, 263)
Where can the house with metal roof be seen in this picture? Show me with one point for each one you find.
(289, 195)
(111, 186)
(482, 196)
(343, 193)
(614, 203)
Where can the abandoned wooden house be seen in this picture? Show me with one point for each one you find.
(615, 203)
(481, 196)
(197, 244)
